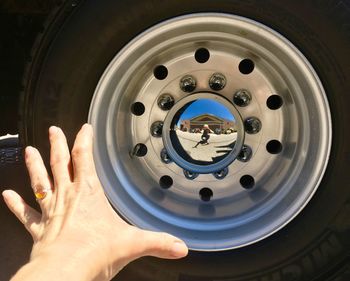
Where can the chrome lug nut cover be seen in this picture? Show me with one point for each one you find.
(188, 84)
(166, 102)
(252, 125)
(190, 175)
(221, 174)
(164, 156)
(245, 154)
(217, 81)
(242, 98)
(156, 129)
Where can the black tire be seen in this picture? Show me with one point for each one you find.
(83, 38)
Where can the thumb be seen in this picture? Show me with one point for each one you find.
(161, 245)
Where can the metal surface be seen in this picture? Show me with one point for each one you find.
(257, 197)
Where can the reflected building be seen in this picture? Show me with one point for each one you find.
(215, 123)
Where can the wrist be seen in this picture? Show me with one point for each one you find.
(64, 268)
(62, 262)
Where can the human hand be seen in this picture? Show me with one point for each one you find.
(78, 234)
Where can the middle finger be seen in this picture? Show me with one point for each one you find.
(60, 160)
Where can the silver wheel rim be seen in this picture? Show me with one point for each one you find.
(288, 155)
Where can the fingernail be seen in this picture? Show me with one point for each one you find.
(179, 249)
(7, 194)
(53, 130)
(87, 126)
(29, 150)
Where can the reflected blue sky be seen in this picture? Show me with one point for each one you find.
(206, 106)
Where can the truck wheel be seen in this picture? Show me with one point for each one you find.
(269, 201)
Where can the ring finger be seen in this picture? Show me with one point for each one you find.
(39, 178)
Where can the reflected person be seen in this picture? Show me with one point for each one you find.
(205, 136)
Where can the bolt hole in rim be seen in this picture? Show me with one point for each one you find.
(160, 72)
(274, 102)
(202, 55)
(281, 164)
(138, 108)
(247, 181)
(274, 146)
(206, 194)
(246, 66)
(165, 182)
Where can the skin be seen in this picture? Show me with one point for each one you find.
(77, 235)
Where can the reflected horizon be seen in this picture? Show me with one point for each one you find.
(206, 106)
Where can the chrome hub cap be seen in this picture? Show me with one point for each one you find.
(181, 144)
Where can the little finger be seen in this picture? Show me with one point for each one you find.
(26, 214)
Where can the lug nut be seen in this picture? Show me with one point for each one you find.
(221, 174)
(217, 81)
(165, 156)
(242, 98)
(188, 84)
(245, 154)
(166, 102)
(190, 175)
(252, 125)
(157, 129)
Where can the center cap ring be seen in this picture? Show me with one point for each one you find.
(168, 131)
